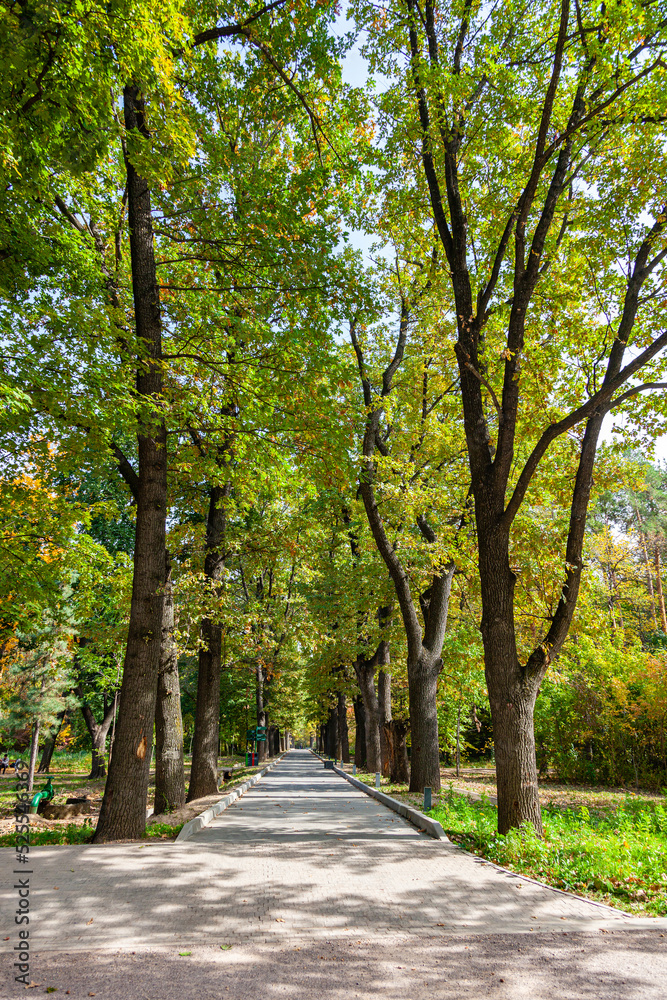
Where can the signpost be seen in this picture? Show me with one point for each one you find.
(255, 735)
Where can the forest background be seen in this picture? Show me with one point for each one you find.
(330, 397)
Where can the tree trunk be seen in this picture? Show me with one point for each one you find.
(512, 691)
(331, 731)
(261, 710)
(98, 767)
(384, 705)
(395, 732)
(34, 747)
(649, 575)
(360, 735)
(365, 671)
(50, 745)
(97, 731)
(422, 689)
(169, 774)
(658, 587)
(204, 771)
(123, 813)
(343, 741)
(516, 765)
(458, 741)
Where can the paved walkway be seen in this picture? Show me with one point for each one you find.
(305, 869)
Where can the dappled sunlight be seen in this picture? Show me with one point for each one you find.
(288, 864)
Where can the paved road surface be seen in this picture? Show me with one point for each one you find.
(305, 872)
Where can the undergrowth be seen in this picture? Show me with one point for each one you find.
(618, 856)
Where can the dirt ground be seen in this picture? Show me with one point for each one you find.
(482, 781)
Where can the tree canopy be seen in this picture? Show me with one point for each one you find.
(249, 462)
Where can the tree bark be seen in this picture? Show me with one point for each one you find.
(423, 673)
(458, 739)
(169, 773)
(342, 742)
(34, 747)
(649, 575)
(395, 732)
(98, 732)
(123, 813)
(365, 671)
(384, 705)
(360, 733)
(50, 745)
(204, 771)
(658, 587)
(261, 710)
(331, 731)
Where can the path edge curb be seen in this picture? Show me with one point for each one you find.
(199, 822)
(414, 816)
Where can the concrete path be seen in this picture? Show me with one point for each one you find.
(303, 871)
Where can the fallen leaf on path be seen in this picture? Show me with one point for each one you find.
(280, 920)
(31, 985)
(185, 953)
(56, 887)
(90, 921)
(225, 947)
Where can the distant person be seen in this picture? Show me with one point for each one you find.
(4, 763)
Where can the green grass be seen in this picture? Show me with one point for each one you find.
(163, 831)
(617, 856)
(70, 834)
(83, 834)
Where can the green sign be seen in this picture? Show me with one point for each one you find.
(257, 734)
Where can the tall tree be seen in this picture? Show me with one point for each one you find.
(123, 811)
(524, 117)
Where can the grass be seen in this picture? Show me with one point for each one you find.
(70, 834)
(83, 834)
(617, 856)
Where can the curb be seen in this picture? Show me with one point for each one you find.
(639, 923)
(418, 819)
(199, 822)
